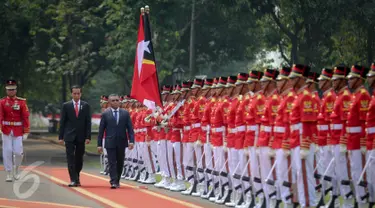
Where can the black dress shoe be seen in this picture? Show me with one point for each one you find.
(113, 186)
(118, 185)
(78, 183)
(73, 184)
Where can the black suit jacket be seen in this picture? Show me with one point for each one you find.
(117, 135)
(72, 127)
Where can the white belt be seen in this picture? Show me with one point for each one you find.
(196, 125)
(155, 128)
(371, 130)
(219, 129)
(356, 129)
(232, 130)
(295, 127)
(251, 128)
(266, 128)
(279, 129)
(136, 130)
(12, 123)
(336, 126)
(323, 127)
(142, 130)
(241, 128)
(176, 129)
(187, 128)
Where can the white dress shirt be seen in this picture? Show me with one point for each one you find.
(74, 104)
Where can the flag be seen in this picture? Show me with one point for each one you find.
(145, 85)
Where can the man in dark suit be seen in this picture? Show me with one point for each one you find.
(75, 131)
(117, 125)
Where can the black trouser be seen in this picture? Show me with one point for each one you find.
(115, 162)
(74, 154)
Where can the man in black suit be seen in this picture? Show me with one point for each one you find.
(75, 131)
(117, 124)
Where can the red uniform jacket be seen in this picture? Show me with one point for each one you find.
(188, 106)
(205, 121)
(196, 115)
(356, 119)
(14, 116)
(268, 120)
(282, 126)
(176, 123)
(231, 122)
(339, 116)
(370, 124)
(326, 109)
(240, 121)
(217, 121)
(303, 119)
(253, 113)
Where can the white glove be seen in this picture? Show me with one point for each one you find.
(271, 153)
(246, 152)
(225, 149)
(25, 136)
(363, 150)
(304, 153)
(286, 152)
(164, 123)
(198, 143)
(343, 148)
(164, 117)
(257, 151)
(316, 148)
(156, 114)
(1, 132)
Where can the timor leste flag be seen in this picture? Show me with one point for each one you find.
(145, 86)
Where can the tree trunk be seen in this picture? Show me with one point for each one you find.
(63, 89)
(192, 40)
(370, 42)
(294, 51)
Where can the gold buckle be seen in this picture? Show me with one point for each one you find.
(11, 123)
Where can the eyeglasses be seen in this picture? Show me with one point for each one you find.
(11, 89)
(115, 100)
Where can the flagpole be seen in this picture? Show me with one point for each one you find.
(147, 18)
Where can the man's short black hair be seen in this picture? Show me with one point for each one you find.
(76, 87)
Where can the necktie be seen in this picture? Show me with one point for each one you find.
(116, 115)
(76, 109)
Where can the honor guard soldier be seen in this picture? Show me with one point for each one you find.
(265, 141)
(14, 127)
(370, 130)
(104, 156)
(303, 124)
(355, 129)
(281, 133)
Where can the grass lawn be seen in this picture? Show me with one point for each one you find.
(92, 147)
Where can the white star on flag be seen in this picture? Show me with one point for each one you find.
(141, 48)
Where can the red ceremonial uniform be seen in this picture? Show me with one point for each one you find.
(148, 125)
(209, 105)
(240, 121)
(370, 124)
(268, 120)
(356, 119)
(188, 105)
(177, 123)
(282, 124)
(231, 122)
(326, 110)
(339, 116)
(217, 121)
(253, 114)
(14, 116)
(317, 103)
(303, 117)
(140, 126)
(196, 115)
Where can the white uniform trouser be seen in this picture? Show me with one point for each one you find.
(208, 160)
(242, 169)
(174, 152)
(220, 164)
(154, 150)
(233, 161)
(305, 180)
(282, 174)
(370, 172)
(162, 157)
(324, 157)
(199, 158)
(341, 170)
(355, 157)
(188, 160)
(147, 157)
(254, 168)
(12, 145)
(139, 155)
(265, 169)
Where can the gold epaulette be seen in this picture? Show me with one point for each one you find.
(274, 97)
(19, 98)
(290, 94)
(363, 91)
(305, 92)
(259, 96)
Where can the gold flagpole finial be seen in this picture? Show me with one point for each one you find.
(142, 10)
(147, 9)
